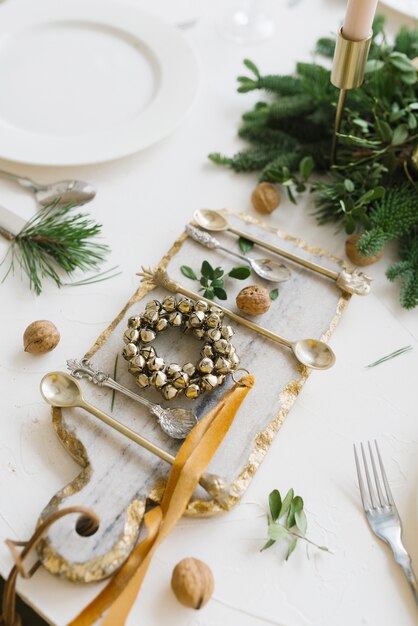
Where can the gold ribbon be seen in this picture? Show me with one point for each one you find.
(192, 459)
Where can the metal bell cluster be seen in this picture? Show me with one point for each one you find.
(203, 321)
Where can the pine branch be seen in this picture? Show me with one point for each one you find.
(56, 239)
(393, 217)
(248, 161)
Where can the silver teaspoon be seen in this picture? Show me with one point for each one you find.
(74, 192)
(265, 268)
(61, 390)
(175, 422)
(349, 280)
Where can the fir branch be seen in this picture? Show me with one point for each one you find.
(56, 239)
(377, 150)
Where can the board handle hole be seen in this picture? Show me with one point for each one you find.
(86, 526)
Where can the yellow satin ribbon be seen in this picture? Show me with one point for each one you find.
(191, 461)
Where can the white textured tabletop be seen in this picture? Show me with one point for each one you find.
(143, 202)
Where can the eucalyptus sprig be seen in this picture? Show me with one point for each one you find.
(212, 279)
(55, 239)
(287, 520)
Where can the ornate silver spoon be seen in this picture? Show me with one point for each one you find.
(351, 281)
(176, 423)
(310, 352)
(265, 268)
(74, 192)
(61, 390)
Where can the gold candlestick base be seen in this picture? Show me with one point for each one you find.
(348, 66)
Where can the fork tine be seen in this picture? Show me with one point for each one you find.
(385, 480)
(369, 482)
(363, 494)
(380, 494)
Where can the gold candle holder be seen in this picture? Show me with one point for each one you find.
(348, 67)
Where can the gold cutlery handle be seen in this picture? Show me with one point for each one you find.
(128, 432)
(287, 255)
(215, 485)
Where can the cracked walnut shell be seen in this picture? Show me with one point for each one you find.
(253, 300)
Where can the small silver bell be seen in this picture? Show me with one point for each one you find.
(142, 381)
(159, 379)
(221, 346)
(151, 316)
(185, 305)
(131, 335)
(162, 324)
(137, 364)
(175, 319)
(134, 321)
(147, 352)
(213, 320)
(201, 305)
(221, 379)
(217, 311)
(173, 369)
(227, 332)
(189, 369)
(234, 359)
(222, 365)
(206, 365)
(214, 334)
(155, 363)
(196, 319)
(169, 303)
(199, 333)
(129, 351)
(154, 305)
(147, 335)
(192, 391)
(209, 382)
(169, 392)
(207, 350)
(181, 380)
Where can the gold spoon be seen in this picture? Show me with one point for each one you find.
(310, 352)
(350, 281)
(61, 390)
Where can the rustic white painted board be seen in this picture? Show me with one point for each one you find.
(119, 471)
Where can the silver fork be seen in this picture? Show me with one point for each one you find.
(381, 512)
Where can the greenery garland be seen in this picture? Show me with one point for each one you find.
(373, 189)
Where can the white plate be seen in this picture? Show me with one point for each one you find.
(85, 81)
(408, 7)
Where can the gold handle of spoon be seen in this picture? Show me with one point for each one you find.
(287, 255)
(128, 432)
(215, 485)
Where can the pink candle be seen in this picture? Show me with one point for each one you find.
(359, 19)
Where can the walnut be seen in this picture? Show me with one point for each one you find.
(265, 198)
(253, 300)
(355, 256)
(192, 583)
(40, 336)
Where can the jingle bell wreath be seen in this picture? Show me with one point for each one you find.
(203, 321)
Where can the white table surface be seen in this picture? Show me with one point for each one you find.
(143, 202)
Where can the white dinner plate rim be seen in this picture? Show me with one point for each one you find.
(177, 89)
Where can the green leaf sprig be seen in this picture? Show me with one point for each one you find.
(56, 239)
(373, 187)
(287, 520)
(212, 279)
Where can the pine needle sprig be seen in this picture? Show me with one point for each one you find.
(56, 239)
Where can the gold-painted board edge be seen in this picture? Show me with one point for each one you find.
(96, 568)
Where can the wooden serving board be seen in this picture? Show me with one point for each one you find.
(117, 476)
